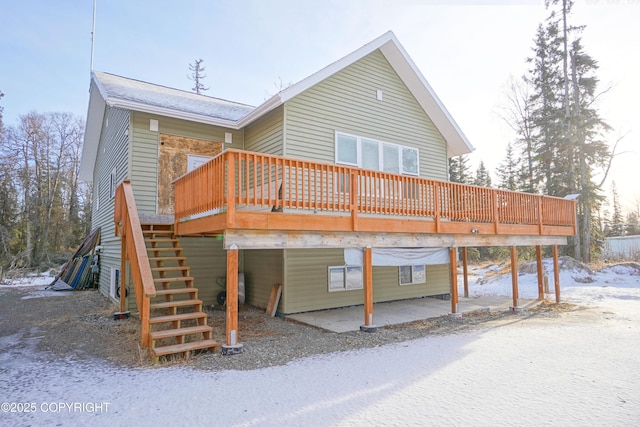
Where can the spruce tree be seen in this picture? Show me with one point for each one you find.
(482, 179)
(508, 171)
(617, 226)
(459, 170)
(197, 76)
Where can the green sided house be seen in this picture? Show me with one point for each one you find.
(335, 188)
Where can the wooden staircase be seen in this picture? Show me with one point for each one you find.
(177, 323)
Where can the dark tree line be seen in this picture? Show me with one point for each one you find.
(44, 208)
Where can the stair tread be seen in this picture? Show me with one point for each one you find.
(163, 249)
(168, 258)
(168, 333)
(176, 317)
(152, 240)
(179, 348)
(169, 304)
(173, 279)
(178, 268)
(176, 291)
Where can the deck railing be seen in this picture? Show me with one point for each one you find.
(261, 181)
(134, 250)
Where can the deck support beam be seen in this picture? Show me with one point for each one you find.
(465, 271)
(232, 346)
(540, 273)
(556, 273)
(368, 291)
(453, 261)
(514, 279)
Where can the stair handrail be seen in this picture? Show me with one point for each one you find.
(134, 249)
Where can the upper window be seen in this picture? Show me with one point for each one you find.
(376, 155)
(196, 160)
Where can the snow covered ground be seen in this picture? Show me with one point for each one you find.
(579, 369)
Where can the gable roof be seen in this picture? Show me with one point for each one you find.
(136, 95)
(408, 72)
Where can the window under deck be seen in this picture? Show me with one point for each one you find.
(261, 194)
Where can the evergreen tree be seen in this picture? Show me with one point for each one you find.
(482, 179)
(508, 171)
(632, 226)
(459, 170)
(197, 76)
(617, 225)
(566, 131)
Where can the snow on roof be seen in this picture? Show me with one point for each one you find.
(136, 92)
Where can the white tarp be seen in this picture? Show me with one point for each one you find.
(396, 257)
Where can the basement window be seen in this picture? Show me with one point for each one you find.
(412, 274)
(345, 278)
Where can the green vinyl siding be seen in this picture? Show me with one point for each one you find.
(145, 151)
(265, 134)
(262, 270)
(346, 102)
(306, 282)
(386, 285)
(207, 261)
(112, 154)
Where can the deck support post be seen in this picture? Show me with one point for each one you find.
(514, 279)
(465, 271)
(556, 273)
(453, 259)
(123, 273)
(368, 291)
(232, 346)
(540, 273)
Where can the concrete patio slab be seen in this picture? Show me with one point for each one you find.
(396, 312)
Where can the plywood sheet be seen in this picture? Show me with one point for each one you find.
(174, 152)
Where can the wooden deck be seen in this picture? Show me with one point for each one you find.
(265, 195)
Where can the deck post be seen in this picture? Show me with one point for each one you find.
(540, 273)
(556, 273)
(353, 200)
(514, 279)
(232, 346)
(368, 291)
(465, 271)
(123, 273)
(231, 191)
(453, 258)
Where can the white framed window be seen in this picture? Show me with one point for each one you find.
(345, 278)
(412, 274)
(112, 183)
(196, 160)
(114, 282)
(383, 156)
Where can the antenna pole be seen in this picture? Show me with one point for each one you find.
(93, 32)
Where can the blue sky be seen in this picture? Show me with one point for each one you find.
(466, 49)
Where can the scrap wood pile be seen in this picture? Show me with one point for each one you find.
(77, 273)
